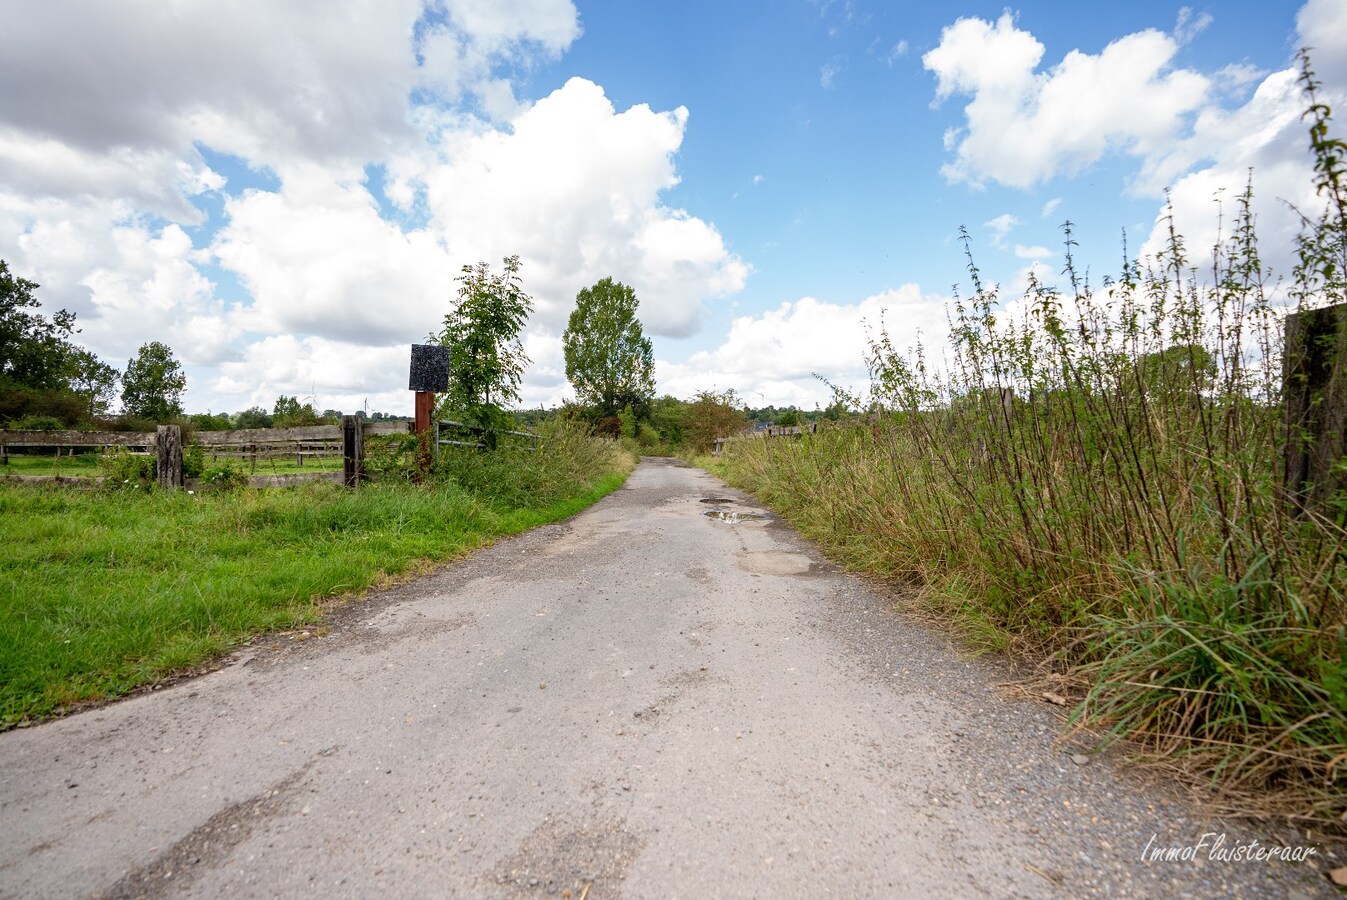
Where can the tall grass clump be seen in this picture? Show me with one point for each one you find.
(519, 473)
(1095, 478)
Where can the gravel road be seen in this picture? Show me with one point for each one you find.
(644, 701)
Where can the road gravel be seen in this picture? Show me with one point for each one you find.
(644, 701)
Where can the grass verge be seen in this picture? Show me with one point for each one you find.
(102, 592)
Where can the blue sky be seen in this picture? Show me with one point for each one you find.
(284, 195)
(850, 200)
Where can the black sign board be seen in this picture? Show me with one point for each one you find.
(430, 368)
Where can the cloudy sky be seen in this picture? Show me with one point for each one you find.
(284, 192)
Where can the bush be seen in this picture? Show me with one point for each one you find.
(391, 457)
(193, 461)
(711, 415)
(646, 436)
(37, 423)
(521, 473)
(18, 403)
(226, 476)
(123, 470)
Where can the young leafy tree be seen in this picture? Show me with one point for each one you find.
(153, 384)
(609, 361)
(34, 351)
(94, 380)
(486, 356)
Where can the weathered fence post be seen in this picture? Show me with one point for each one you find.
(168, 456)
(1314, 371)
(352, 450)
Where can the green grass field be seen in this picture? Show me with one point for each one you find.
(85, 465)
(281, 466)
(82, 465)
(104, 591)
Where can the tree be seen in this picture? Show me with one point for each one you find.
(253, 417)
(208, 421)
(486, 356)
(94, 380)
(609, 362)
(710, 415)
(835, 411)
(153, 384)
(34, 351)
(290, 413)
(1183, 370)
(666, 415)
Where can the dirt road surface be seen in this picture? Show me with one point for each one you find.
(645, 701)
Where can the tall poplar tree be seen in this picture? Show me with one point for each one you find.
(609, 361)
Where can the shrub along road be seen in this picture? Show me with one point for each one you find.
(644, 701)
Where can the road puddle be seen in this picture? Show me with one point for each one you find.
(729, 517)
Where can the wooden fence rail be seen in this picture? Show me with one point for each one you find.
(771, 431)
(166, 444)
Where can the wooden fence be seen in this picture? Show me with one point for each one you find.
(771, 431)
(166, 445)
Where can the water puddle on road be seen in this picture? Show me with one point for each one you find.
(716, 500)
(730, 517)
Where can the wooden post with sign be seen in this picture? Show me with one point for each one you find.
(429, 375)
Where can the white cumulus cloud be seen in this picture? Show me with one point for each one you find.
(778, 352)
(1025, 126)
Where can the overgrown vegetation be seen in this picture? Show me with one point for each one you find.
(1098, 484)
(104, 591)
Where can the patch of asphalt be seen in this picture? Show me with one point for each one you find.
(210, 844)
(569, 859)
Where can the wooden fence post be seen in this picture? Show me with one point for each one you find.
(168, 456)
(1314, 371)
(352, 450)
